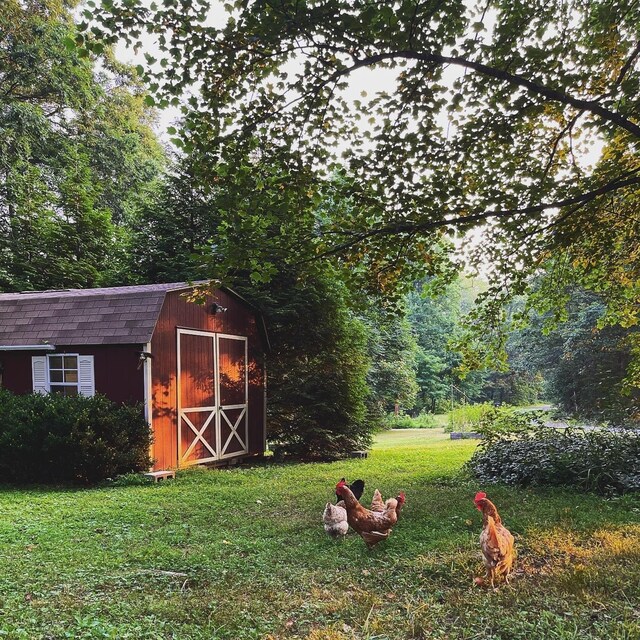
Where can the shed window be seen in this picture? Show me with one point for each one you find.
(65, 374)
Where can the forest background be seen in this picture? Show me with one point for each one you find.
(360, 265)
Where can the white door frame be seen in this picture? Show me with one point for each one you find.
(217, 411)
(183, 411)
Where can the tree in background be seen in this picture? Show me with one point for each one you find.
(585, 366)
(75, 148)
(438, 321)
(435, 323)
(393, 354)
(235, 221)
(318, 366)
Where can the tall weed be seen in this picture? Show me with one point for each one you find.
(422, 421)
(467, 417)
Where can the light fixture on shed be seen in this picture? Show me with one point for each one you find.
(217, 308)
(144, 355)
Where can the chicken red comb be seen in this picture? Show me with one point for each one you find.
(401, 497)
(480, 496)
(342, 483)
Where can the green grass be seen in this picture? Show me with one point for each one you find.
(442, 419)
(93, 563)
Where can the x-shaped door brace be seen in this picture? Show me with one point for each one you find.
(199, 435)
(234, 430)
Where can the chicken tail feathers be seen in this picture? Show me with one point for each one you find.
(357, 488)
(373, 537)
(492, 533)
(377, 503)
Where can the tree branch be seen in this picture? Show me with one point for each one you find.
(623, 72)
(554, 148)
(552, 94)
(462, 221)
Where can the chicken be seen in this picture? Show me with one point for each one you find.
(401, 499)
(357, 488)
(496, 541)
(372, 526)
(335, 520)
(377, 504)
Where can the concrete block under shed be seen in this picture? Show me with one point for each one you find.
(160, 475)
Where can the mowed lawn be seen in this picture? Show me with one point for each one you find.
(242, 553)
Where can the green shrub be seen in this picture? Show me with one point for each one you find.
(523, 452)
(467, 417)
(53, 438)
(422, 421)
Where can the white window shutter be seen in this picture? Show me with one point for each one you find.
(39, 374)
(86, 380)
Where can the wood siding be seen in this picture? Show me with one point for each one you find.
(177, 312)
(115, 368)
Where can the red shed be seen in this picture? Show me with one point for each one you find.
(197, 368)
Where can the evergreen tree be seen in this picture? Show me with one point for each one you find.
(197, 226)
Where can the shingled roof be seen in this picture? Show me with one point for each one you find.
(112, 315)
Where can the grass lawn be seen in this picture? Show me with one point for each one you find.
(109, 563)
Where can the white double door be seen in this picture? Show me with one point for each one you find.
(212, 389)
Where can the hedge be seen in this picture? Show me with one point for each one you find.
(73, 439)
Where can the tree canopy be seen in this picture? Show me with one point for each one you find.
(586, 370)
(489, 112)
(76, 148)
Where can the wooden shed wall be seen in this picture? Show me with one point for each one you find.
(176, 313)
(115, 369)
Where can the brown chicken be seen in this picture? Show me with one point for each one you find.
(372, 526)
(378, 504)
(496, 541)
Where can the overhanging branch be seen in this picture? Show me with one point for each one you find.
(555, 95)
(628, 180)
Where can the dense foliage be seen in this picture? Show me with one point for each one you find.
(320, 402)
(586, 366)
(494, 115)
(55, 438)
(317, 368)
(76, 150)
(438, 321)
(393, 354)
(519, 450)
